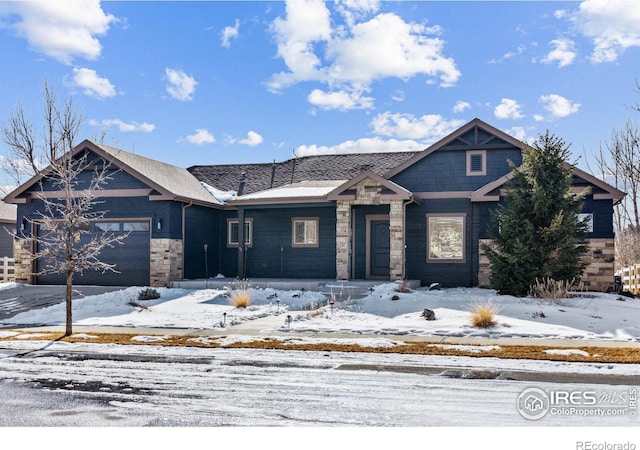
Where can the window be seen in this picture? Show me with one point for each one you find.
(588, 218)
(106, 226)
(135, 226)
(305, 232)
(445, 237)
(232, 232)
(476, 162)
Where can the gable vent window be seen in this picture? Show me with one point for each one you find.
(476, 162)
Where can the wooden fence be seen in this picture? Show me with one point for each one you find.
(6, 269)
(630, 278)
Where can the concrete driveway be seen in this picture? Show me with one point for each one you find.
(24, 297)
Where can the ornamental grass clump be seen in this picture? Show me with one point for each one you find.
(240, 298)
(239, 294)
(550, 289)
(483, 316)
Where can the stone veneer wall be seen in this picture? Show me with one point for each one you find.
(368, 192)
(166, 261)
(598, 276)
(22, 266)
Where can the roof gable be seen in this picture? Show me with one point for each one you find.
(167, 182)
(581, 180)
(475, 134)
(390, 190)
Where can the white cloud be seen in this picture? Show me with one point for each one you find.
(398, 96)
(364, 145)
(341, 100)
(229, 33)
(430, 127)
(307, 21)
(92, 84)
(564, 52)
(508, 109)
(388, 47)
(180, 85)
(612, 25)
(560, 13)
(201, 136)
(125, 127)
(352, 10)
(460, 106)
(62, 30)
(558, 106)
(253, 139)
(517, 132)
(349, 58)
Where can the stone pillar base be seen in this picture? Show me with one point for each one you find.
(166, 261)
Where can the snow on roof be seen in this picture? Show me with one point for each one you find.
(220, 195)
(302, 190)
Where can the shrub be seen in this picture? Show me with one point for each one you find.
(148, 294)
(483, 316)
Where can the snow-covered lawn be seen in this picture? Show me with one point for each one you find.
(384, 312)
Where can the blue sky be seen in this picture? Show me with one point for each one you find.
(216, 82)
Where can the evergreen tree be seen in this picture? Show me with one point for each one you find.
(537, 230)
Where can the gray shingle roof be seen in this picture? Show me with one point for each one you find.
(264, 176)
(175, 180)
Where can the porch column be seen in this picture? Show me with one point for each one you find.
(343, 240)
(241, 246)
(396, 236)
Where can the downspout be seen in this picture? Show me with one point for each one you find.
(404, 235)
(184, 222)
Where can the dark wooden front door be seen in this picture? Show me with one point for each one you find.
(379, 251)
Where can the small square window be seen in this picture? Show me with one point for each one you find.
(232, 232)
(304, 232)
(476, 162)
(588, 218)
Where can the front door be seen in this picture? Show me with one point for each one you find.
(379, 249)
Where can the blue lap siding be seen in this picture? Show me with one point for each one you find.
(272, 254)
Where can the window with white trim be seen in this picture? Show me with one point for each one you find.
(232, 232)
(304, 231)
(476, 162)
(446, 237)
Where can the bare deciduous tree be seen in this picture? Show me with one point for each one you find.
(619, 164)
(67, 196)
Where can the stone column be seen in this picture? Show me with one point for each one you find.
(166, 261)
(396, 235)
(343, 240)
(22, 261)
(598, 276)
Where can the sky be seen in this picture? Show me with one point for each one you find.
(220, 82)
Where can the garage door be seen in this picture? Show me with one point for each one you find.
(131, 259)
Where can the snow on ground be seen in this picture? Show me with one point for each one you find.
(384, 312)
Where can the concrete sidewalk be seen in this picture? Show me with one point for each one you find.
(275, 326)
